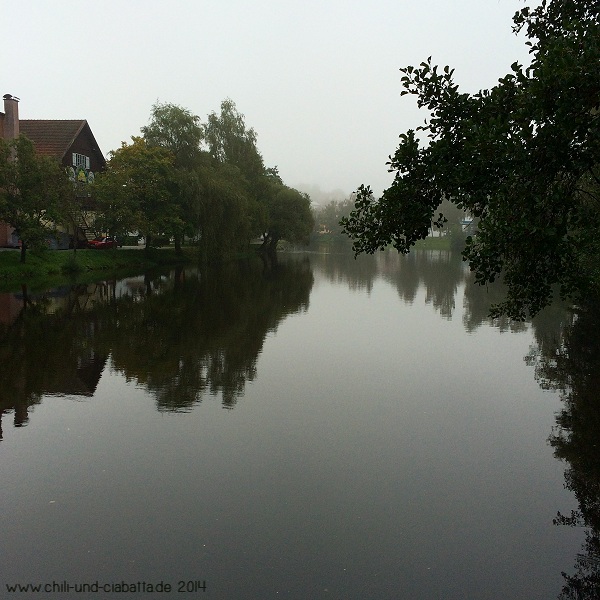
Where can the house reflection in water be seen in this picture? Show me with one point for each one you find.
(46, 349)
(52, 343)
(10, 308)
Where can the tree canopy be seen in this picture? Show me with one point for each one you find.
(176, 129)
(229, 140)
(206, 181)
(290, 217)
(32, 189)
(136, 192)
(180, 132)
(522, 157)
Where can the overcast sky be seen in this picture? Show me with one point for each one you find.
(318, 80)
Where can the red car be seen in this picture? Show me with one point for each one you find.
(103, 242)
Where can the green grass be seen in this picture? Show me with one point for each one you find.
(56, 267)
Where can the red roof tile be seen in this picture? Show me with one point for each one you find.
(51, 137)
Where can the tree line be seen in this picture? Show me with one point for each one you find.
(180, 179)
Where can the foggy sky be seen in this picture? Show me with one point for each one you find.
(318, 80)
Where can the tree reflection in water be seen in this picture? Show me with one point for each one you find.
(180, 335)
(572, 366)
(565, 357)
(204, 332)
(190, 333)
(439, 273)
(193, 332)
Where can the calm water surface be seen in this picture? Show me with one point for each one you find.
(320, 428)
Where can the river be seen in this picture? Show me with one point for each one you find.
(322, 427)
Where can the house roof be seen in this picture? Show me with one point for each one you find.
(52, 137)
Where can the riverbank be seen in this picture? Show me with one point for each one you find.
(56, 267)
(429, 243)
(52, 268)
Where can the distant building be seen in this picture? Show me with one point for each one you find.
(71, 142)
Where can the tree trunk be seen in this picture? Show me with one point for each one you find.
(23, 251)
(178, 244)
(75, 236)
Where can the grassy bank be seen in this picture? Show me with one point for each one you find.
(56, 267)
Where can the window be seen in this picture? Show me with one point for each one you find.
(80, 160)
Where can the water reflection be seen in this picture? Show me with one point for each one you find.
(439, 273)
(187, 333)
(204, 331)
(45, 347)
(191, 333)
(442, 275)
(180, 335)
(571, 365)
(565, 357)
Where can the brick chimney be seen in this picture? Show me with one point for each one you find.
(11, 117)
